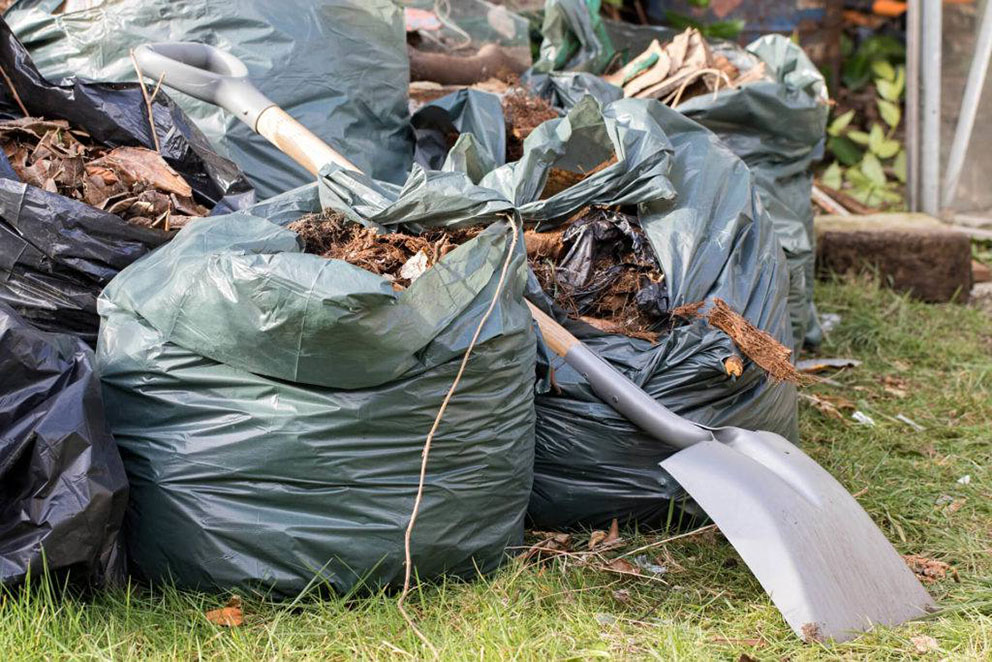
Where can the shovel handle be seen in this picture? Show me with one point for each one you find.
(615, 389)
(215, 76)
(211, 75)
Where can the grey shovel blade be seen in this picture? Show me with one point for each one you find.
(821, 559)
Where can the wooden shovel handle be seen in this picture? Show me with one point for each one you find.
(297, 141)
(555, 335)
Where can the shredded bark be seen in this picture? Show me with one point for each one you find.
(132, 182)
(560, 179)
(768, 353)
(523, 113)
(397, 256)
(600, 270)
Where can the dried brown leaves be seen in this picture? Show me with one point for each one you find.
(928, 570)
(230, 615)
(132, 182)
(682, 68)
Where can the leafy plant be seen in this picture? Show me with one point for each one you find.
(859, 63)
(871, 162)
(711, 30)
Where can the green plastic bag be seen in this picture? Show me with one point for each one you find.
(271, 406)
(697, 204)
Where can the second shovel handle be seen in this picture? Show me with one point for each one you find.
(556, 337)
(297, 141)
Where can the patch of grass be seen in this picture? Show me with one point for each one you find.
(932, 364)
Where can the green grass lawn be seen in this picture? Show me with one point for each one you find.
(932, 364)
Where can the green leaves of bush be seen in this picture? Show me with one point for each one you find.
(869, 163)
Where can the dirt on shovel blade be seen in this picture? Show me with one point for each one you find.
(397, 256)
(600, 270)
(131, 182)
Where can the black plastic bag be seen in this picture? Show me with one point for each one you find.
(63, 490)
(56, 253)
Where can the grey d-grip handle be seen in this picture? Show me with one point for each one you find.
(206, 73)
(209, 74)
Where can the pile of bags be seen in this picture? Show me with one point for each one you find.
(271, 405)
(56, 252)
(775, 122)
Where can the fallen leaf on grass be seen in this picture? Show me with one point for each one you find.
(551, 541)
(894, 386)
(621, 595)
(929, 570)
(624, 566)
(604, 540)
(596, 537)
(924, 643)
(955, 506)
(813, 366)
(228, 616)
(829, 405)
(614, 534)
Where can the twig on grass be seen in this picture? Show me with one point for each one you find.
(658, 543)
